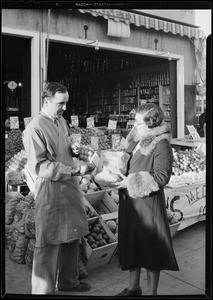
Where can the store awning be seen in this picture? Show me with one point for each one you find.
(127, 18)
(118, 29)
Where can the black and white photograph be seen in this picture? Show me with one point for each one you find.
(106, 111)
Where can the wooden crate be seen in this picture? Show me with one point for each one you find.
(102, 201)
(114, 257)
(173, 228)
(91, 208)
(100, 256)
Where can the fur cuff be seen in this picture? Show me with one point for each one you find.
(141, 184)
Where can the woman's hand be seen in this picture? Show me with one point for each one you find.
(121, 184)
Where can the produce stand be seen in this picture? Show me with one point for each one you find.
(185, 194)
(186, 142)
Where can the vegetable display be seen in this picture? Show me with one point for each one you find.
(97, 236)
(189, 167)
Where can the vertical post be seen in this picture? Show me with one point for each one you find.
(47, 45)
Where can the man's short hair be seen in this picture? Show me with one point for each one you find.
(51, 88)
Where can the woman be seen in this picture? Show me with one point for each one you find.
(144, 239)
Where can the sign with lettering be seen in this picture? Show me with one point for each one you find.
(95, 142)
(76, 137)
(14, 123)
(90, 122)
(193, 132)
(74, 121)
(116, 138)
(27, 121)
(187, 203)
(112, 124)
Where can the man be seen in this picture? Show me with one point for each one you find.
(60, 217)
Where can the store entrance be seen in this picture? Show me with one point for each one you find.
(16, 77)
(107, 84)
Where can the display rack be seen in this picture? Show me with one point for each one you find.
(117, 100)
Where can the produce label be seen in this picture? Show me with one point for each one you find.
(74, 121)
(95, 159)
(76, 137)
(130, 124)
(112, 124)
(90, 122)
(116, 141)
(122, 143)
(14, 123)
(27, 121)
(95, 142)
(193, 132)
(187, 203)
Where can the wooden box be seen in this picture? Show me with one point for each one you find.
(102, 202)
(100, 256)
(91, 209)
(173, 228)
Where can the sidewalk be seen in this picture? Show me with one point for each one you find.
(189, 247)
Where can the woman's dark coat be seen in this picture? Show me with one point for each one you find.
(143, 229)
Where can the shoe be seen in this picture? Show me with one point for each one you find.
(127, 292)
(82, 287)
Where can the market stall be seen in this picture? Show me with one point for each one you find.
(185, 193)
(107, 77)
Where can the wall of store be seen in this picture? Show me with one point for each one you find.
(71, 23)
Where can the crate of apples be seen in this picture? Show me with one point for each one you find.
(98, 245)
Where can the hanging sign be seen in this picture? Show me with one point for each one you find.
(187, 203)
(95, 142)
(112, 124)
(74, 121)
(193, 132)
(90, 122)
(14, 123)
(27, 121)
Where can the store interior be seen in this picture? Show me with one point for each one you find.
(16, 68)
(102, 83)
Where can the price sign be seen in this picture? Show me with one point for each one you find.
(90, 122)
(27, 121)
(122, 143)
(193, 132)
(112, 124)
(76, 137)
(130, 124)
(74, 121)
(95, 142)
(116, 141)
(95, 159)
(14, 123)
